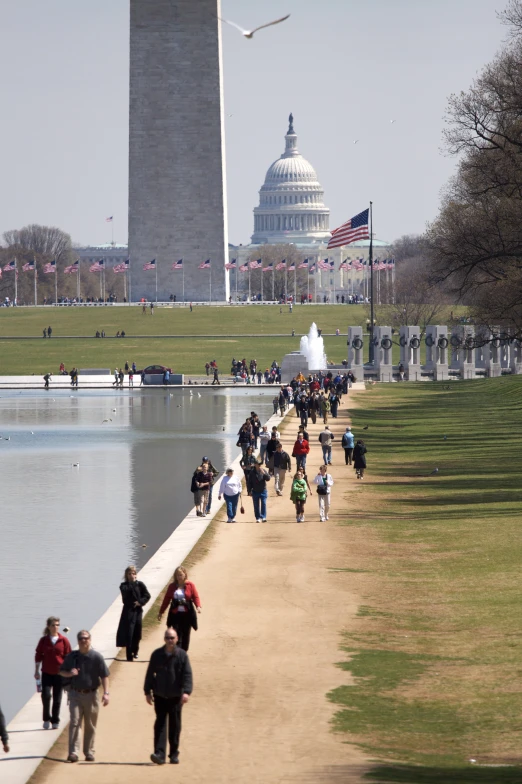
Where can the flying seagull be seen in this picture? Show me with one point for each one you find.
(355, 141)
(392, 121)
(250, 33)
(76, 465)
(106, 420)
(66, 629)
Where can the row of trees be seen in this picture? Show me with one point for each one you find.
(44, 244)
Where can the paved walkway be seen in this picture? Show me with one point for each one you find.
(264, 657)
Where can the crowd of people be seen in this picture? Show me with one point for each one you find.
(168, 681)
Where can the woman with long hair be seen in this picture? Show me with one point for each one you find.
(134, 595)
(298, 495)
(182, 595)
(51, 650)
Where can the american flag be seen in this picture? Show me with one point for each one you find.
(205, 265)
(291, 268)
(72, 267)
(323, 264)
(303, 264)
(178, 265)
(150, 265)
(354, 229)
(98, 266)
(49, 267)
(123, 267)
(10, 266)
(312, 269)
(29, 266)
(243, 268)
(269, 267)
(281, 265)
(344, 264)
(231, 265)
(255, 264)
(109, 220)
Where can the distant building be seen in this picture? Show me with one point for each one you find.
(291, 201)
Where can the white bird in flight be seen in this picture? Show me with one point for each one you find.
(392, 121)
(355, 141)
(250, 33)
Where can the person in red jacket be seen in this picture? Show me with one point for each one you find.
(300, 451)
(51, 650)
(182, 595)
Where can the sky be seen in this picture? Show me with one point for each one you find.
(344, 68)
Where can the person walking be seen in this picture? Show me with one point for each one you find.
(245, 436)
(325, 438)
(304, 410)
(270, 451)
(87, 669)
(359, 458)
(256, 427)
(281, 402)
(116, 378)
(215, 379)
(121, 376)
(45, 332)
(264, 438)
(182, 596)
(152, 308)
(282, 464)
(230, 488)
(300, 451)
(49, 331)
(324, 482)
(203, 480)
(134, 595)
(213, 470)
(131, 377)
(325, 409)
(4, 737)
(298, 495)
(248, 462)
(50, 653)
(334, 401)
(47, 378)
(258, 480)
(168, 686)
(313, 405)
(347, 443)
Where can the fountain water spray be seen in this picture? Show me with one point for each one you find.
(312, 346)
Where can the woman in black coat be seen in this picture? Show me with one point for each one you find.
(359, 458)
(134, 595)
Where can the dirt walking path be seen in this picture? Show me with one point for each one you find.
(264, 657)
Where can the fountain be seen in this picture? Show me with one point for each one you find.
(309, 359)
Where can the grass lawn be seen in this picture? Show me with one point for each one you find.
(234, 331)
(435, 654)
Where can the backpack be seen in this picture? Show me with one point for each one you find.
(194, 487)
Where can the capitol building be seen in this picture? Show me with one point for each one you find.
(291, 201)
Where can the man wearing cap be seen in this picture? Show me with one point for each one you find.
(214, 473)
(347, 444)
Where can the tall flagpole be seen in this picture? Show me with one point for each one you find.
(35, 295)
(372, 347)
(56, 283)
(333, 278)
(78, 282)
(16, 280)
(183, 280)
(210, 282)
(127, 272)
(249, 291)
(295, 283)
(262, 273)
(307, 285)
(273, 279)
(286, 282)
(156, 273)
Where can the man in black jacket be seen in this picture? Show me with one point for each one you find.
(282, 464)
(168, 685)
(3, 733)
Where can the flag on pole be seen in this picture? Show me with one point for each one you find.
(332, 264)
(10, 266)
(312, 269)
(323, 264)
(123, 267)
(291, 268)
(49, 267)
(243, 268)
(178, 265)
(281, 265)
(29, 266)
(150, 265)
(343, 265)
(255, 264)
(205, 265)
(303, 264)
(72, 267)
(354, 229)
(98, 266)
(269, 267)
(231, 265)
(109, 220)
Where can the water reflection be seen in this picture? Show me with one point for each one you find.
(68, 532)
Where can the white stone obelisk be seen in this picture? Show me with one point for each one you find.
(177, 186)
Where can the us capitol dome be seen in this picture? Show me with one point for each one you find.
(291, 206)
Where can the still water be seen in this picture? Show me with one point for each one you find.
(67, 533)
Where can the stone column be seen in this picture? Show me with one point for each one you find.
(409, 340)
(462, 343)
(515, 360)
(437, 352)
(383, 353)
(355, 352)
(177, 202)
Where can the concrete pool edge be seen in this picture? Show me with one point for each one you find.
(29, 743)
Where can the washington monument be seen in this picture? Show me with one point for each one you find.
(177, 188)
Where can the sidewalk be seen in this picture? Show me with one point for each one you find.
(264, 657)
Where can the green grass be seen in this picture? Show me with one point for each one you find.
(435, 652)
(234, 331)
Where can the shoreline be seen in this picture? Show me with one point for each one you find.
(29, 743)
